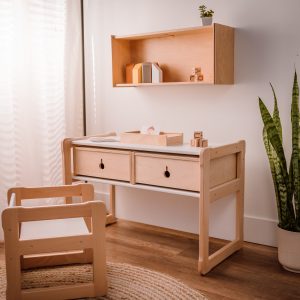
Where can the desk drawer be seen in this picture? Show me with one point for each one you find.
(101, 163)
(168, 171)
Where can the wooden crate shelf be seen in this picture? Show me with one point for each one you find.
(177, 52)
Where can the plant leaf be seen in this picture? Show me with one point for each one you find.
(295, 147)
(274, 138)
(269, 151)
(276, 117)
(287, 218)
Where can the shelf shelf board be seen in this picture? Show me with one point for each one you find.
(162, 84)
(165, 33)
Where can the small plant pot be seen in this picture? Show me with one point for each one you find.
(288, 250)
(206, 21)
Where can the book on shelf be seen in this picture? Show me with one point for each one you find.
(137, 73)
(157, 73)
(129, 68)
(146, 72)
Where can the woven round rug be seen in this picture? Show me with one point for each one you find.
(124, 282)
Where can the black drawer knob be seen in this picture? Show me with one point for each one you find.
(167, 173)
(101, 165)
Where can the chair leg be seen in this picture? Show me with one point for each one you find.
(99, 258)
(13, 275)
(12, 259)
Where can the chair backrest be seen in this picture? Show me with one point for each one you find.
(83, 190)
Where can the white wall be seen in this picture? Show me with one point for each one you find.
(267, 47)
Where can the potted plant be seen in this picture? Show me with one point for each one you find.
(286, 180)
(206, 15)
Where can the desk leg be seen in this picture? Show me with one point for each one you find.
(204, 212)
(236, 186)
(239, 225)
(66, 148)
(111, 216)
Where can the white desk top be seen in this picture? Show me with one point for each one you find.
(185, 149)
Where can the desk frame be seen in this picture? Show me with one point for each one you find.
(206, 196)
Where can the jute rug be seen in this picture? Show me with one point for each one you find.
(124, 282)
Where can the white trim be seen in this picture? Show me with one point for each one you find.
(260, 230)
(103, 196)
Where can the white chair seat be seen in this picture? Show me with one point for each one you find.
(53, 228)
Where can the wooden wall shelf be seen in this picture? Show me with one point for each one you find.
(178, 52)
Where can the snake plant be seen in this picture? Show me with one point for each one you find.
(286, 180)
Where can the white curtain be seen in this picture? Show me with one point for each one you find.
(40, 89)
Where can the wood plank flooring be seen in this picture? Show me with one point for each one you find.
(251, 273)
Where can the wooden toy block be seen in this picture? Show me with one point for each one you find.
(198, 134)
(204, 143)
(196, 75)
(195, 142)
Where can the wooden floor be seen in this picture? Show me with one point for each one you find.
(251, 273)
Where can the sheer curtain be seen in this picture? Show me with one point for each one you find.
(40, 89)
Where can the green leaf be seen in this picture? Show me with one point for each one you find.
(269, 151)
(284, 195)
(276, 117)
(274, 137)
(295, 147)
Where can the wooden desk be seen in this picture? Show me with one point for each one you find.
(208, 174)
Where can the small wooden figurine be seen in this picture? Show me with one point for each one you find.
(196, 75)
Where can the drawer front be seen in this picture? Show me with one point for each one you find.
(166, 171)
(101, 163)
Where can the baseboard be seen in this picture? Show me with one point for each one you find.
(260, 230)
(256, 230)
(103, 196)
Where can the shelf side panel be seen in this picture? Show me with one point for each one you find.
(120, 57)
(224, 54)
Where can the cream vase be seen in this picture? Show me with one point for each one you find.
(289, 250)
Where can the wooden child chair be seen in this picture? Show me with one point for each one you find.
(54, 235)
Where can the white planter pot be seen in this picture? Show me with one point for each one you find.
(289, 249)
(206, 21)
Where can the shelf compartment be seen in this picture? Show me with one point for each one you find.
(177, 52)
